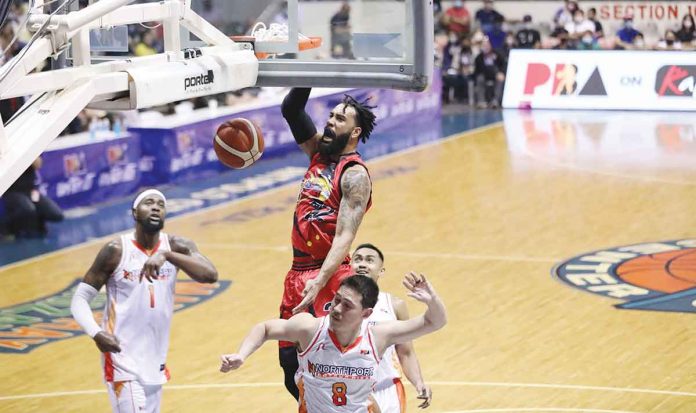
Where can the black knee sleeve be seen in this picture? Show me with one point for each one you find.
(288, 361)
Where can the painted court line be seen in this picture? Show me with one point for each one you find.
(434, 383)
(563, 386)
(540, 409)
(253, 196)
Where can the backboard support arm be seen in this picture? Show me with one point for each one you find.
(137, 82)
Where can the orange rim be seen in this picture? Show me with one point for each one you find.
(306, 43)
(310, 43)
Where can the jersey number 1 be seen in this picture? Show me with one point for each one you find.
(339, 394)
(151, 288)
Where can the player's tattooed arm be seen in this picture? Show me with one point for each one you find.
(356, 189)
(185, 255)
(104, 265)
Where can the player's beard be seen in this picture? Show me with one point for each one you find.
(151, 227)
(336, 146)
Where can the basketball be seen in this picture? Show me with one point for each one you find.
(238, 143)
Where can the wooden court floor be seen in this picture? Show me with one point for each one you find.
(486, 215)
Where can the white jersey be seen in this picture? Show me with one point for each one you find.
(139, 314)
(333, 379)
(389, 368)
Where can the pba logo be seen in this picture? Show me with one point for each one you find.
(563, 81)
(184, 142)
(675, 81)
(26, 326)
(74, 164)
(659, 276)
(116, 153)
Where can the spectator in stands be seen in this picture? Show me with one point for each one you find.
(627, 32)
(669, 42)
(592, 16)
(509, 44)
(437, 6)
(437, 15)
(578, 26)
(27, 209)
(497, 35)
(7, 33)
(457, 69)
(440, 42)
(8, 107)
(79, 124)
(587, 41)
(147, 44)
(559, 37)
(686, 34)
(341, 33)
(15, 16)
(528, 37)
(565, 14)
(638, 42)
(477, 39)
(457, 19)
(488, 17)
(489, 72)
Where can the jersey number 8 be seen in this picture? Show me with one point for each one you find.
(339, 394)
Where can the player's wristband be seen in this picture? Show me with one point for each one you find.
(82, 313)
(293, 111)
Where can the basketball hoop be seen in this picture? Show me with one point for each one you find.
(261, 36)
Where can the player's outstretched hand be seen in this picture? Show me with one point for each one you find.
(107, 343)
(419, 287)
(230, 362)
(425, 394)
(310, 292)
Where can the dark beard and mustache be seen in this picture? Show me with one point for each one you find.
(336, 146)
(151, 227)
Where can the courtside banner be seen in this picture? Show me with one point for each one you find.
(575, 79)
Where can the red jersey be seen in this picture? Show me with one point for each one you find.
(316, 213)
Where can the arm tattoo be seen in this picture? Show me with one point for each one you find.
(104, 264)
(182, 245)
(356, 187)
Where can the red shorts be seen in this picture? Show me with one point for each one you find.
(294, 284)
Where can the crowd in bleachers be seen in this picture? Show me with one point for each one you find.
(472, 49)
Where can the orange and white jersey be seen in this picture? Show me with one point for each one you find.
(333, 378)
(389, 367)
(139, 314)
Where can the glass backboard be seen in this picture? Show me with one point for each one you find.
(358, 43)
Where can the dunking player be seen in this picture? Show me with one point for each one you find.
(139, 270)
(389, 393)
(339, 354)
(335, 194)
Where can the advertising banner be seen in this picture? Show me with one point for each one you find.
(91, 173)
(184, 153)
(81, 171)
(569, 79)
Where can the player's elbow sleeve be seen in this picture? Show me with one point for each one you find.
(301, 125)
(295, 101)
(81, 311)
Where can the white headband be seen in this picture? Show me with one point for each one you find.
(147, 193)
